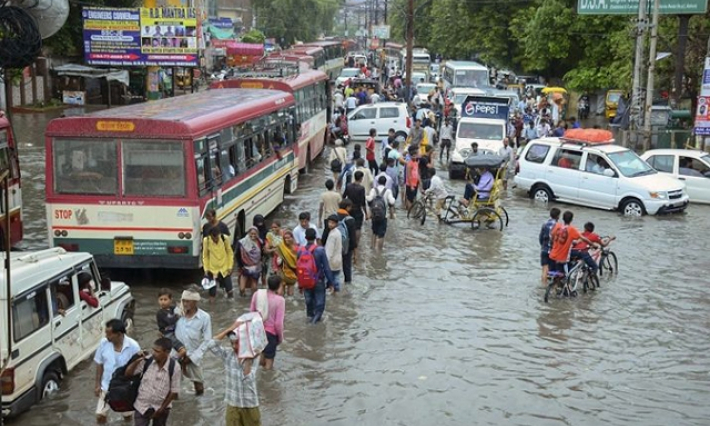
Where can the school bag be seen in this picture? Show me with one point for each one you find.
(306, 270)
(378, 207)
(123, 391)
(344, 235)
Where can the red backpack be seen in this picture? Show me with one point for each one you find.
(306, 270)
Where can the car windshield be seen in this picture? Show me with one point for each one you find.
(471, 78)
(460, 97)
(630, 164)
(425, 88)
(418, 76)
(705, 158)
(468, 130)
(613, 97)
(350, 73)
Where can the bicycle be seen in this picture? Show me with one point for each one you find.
(606, 259)
(421, 206)
(566, 285)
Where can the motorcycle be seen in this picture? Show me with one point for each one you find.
(583, 108)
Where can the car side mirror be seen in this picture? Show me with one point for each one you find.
(609, 173)
(106, 283)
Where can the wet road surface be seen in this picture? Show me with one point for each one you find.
(448, 327)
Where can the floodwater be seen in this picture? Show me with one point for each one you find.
(448, 327)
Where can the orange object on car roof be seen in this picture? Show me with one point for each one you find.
(589, 136)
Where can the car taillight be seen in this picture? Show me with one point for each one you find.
(177, 249)
(8, 381)
(70, 247)
(409, 122)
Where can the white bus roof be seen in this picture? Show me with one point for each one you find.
(28, 269)
(465, 65)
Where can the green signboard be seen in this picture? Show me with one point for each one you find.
(631, 7)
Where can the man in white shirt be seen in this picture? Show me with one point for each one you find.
(338, 99)
(350, 103)
(299, 232)
(380, 199)
(509, 155)
(543, 129)
(374, 98)
(446, 137)
(367, 178)
(437, 190)
(334, 246)
(114, 351)
(430, 132)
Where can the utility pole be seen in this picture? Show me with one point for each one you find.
(386, 1)
(637, 96)
(410, 47)
(377, 12)
(650, 82)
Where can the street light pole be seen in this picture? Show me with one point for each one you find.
(410, 47)
(637, 96)
(650, 80)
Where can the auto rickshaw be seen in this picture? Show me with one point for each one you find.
(612, 103)
(479, 212)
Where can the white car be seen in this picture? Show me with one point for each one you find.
(458, 95)
(381, 116)
(488, 134)
(419, 77)
(423, 90)
(346, 74)
(604, 176)
(52, 328)
(689, 166)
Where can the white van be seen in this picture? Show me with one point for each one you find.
(484, 120)
(604, 176)
(51, 329)
(689, 165)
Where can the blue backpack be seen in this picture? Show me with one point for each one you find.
(344, 234)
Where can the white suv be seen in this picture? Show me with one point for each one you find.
(603, 176)
(52, 328)
(381, 116)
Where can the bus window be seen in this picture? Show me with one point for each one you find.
(85, 166)
(4, 151)
(225, 162)
(155, 169)
(240, 157)
(203, 177)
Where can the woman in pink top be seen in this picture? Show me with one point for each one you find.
(272, 307)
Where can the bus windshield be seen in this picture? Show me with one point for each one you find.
(471, 78)
(90, 167)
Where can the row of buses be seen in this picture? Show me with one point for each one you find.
(132, 184)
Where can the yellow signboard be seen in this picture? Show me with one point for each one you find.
(115, 126)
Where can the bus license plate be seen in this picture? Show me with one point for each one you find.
(123, 247)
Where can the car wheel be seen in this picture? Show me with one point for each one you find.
(127, 321)
(400, 134)
(542, 194)
(50, 384)
(633, 207)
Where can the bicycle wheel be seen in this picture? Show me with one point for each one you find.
(504, 215)
(609, 263)
(417, 211)
(486, 216)
(549, 289)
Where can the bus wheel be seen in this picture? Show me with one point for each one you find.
(287, 185)
(309, 162)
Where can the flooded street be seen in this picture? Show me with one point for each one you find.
(448, 327)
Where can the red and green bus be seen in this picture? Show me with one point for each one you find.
(131, 185)
(312, 93)
(333, 51)
(9, 163)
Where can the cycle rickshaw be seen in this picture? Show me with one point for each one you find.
(479, 212)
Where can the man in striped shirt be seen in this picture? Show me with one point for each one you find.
(241, 395)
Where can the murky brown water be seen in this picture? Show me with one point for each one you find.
(448, 327)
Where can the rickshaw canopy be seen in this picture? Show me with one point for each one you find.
(489, 161)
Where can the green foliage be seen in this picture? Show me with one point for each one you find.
(254, 36)
(547, 37)
(292, 20)
(69, 40)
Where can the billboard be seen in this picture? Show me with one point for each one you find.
(485, 107)
(631, 7)
(159, 36)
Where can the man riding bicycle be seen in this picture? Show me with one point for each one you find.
(563, 235)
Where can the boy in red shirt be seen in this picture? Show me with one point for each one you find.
(581, 248)
(562, 236)
(370, 153)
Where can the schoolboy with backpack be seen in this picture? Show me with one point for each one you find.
(314, 276)
(380, 198)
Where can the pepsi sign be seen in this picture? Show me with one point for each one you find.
(485, 107)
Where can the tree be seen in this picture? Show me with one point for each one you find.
(295, 20)
(254, 36)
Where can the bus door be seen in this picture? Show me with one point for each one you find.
(209, 174)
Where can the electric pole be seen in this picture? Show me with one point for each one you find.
(637, 95)
(386, 1)
(377, 13)
(650, 82)
(410, 46)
